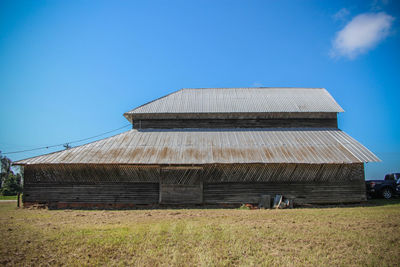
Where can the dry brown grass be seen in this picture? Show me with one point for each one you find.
(352, 236)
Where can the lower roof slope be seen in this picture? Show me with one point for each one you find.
(207, 146)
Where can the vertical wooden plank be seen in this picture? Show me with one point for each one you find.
(159, 186)
(202, 192)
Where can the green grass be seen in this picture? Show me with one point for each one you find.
(346, 236)
(8, 197)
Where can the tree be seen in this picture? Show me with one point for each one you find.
(10, 182)
(5, 168)
(11, 185)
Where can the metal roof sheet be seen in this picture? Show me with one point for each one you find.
(207, 146)
(242, 100)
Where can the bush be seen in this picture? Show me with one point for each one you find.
(244, 207)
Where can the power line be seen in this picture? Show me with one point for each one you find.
(67, 143)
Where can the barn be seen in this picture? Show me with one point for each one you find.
(208, 146)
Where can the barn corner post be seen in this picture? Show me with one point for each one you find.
(20, 185)
(219, 146)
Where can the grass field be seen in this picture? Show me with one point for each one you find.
(8, 197)
(345, 236)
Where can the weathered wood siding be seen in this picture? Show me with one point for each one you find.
(90, 173)
(283, 173)
(235, 120)
(107, 193)
(235, 123)
(210, 184)
(311, 192)
(91, 184)
(181, 194)
(181, 185)
(232, 115)
(307, 183)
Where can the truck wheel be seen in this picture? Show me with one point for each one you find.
(387, 193)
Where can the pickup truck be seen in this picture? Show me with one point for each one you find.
(386, 188)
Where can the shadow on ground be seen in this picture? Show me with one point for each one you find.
(382, 202)
(374, 202)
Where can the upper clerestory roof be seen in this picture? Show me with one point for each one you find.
(241, 100)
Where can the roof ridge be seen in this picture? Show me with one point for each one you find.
(262, 87)
(154, 100)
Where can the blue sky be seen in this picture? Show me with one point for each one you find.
(70, 69)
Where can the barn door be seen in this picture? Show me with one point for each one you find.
(181, 185)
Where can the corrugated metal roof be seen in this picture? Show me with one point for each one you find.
(206, 146)
(242, 100)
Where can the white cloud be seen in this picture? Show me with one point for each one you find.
(341, 14)
(361, 34)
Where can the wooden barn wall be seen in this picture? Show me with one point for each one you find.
(91, 184)
(90, 173)
(302, 193)
(235, 123)
(232, 115)
(277, 173)
(306, 183)
(210, 184)
(125, 193)
(180, 185)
